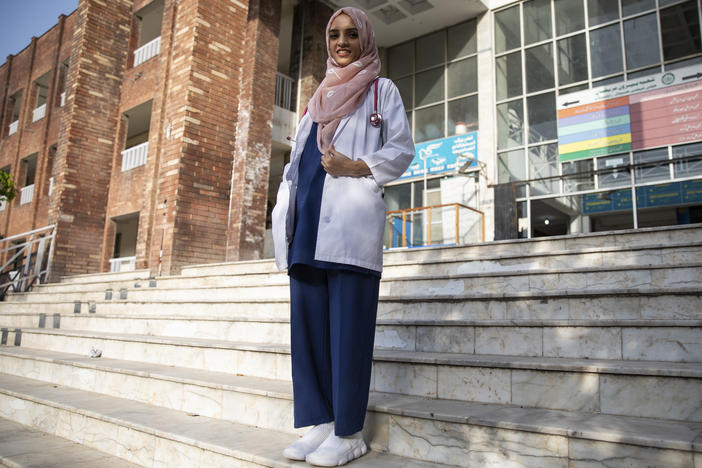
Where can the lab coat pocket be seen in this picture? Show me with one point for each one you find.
(279, 221)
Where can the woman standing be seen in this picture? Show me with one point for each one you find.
(328, 227)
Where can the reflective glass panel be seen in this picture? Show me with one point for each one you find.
(601, 11)
(507, 29)
(659, 205)
(429, 86)
(539, 68)
(605, 52)
(537, 15)
(464, 111)
(511, 166)
(522, 220)
(429, 123)
(541, 110)
(642, 73)
(401, 60)
(404, 85)
(509, 76)
(510, 122)
(607, 81)
(651, 165)
(680, 30)
(640, 49)
(462, 77)
(688, 160)
(612, 171)
(572, 59)
(543, 163)
(430, 50)
(631, 7)
(609, 210)
(570, 16)
(582, 178)
(461, 40)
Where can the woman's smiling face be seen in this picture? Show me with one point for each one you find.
(344, 42)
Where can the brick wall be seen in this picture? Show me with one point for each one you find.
(87, 140)
(249, 193)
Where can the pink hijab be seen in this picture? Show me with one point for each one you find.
(344, 88)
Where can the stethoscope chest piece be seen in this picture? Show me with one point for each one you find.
(376, 120)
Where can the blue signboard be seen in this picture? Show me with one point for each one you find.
(651, 196)
(444, 155)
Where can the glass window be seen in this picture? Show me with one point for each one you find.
(608, 81)
(509, 76)
(522, 220)
(541, 111)
(657, 205)
(543, 163)
(651, 165)
(462, 77)
(401, 60)
(640, 49)
(605, 52)
(429, 86)
(631, 7)
(688, 160)
(429, 123)
(510, 166)
(601, 11)
(537, 14)
(507, 29)
(570, 16)
(430, 50)
(539, 68)
(510, 121)
(572, 60)
(582, 178)
(461, 40)
(463, 111)
(572, 89)
(409, 119)
(683, 63)
(680, 30)
(612, 171)
(642, 73)
(404, 86)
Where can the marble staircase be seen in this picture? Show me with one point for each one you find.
(580, 351)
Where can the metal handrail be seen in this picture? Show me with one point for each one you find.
(457, 206)
(30, 261)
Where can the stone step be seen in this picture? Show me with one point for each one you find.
(663, 340)
(672, 254)
(606, 304)
(149, 436)
(267, 403)
(22, 446)
(619, 239)
(464, 285)
(136, 275)
(437, 431)
(556, 383)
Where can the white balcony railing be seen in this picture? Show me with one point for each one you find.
(39, 113)
(283, 91)
(3, 205)
(27, 194)
(284, 125)
(63, 98)
(51, 185)
(148, 50)
(13, 127)
(134, 156)
(122, 264)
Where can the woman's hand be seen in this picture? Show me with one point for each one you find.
(340, 165)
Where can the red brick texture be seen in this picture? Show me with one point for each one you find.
(249, 192)
(83, 161)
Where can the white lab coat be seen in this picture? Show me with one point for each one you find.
(352, 214)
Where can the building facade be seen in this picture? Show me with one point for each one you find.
(153, 133)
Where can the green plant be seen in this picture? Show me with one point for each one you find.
(8, 191)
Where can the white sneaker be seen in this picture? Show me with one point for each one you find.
(337, 451)
(308, 443)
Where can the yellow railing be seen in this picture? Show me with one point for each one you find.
(450, 223)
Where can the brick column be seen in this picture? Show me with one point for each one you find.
(84, 155)
(251, 162)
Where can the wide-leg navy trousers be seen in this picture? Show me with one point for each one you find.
(332, 327)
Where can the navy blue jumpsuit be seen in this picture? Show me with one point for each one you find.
(333, 309)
